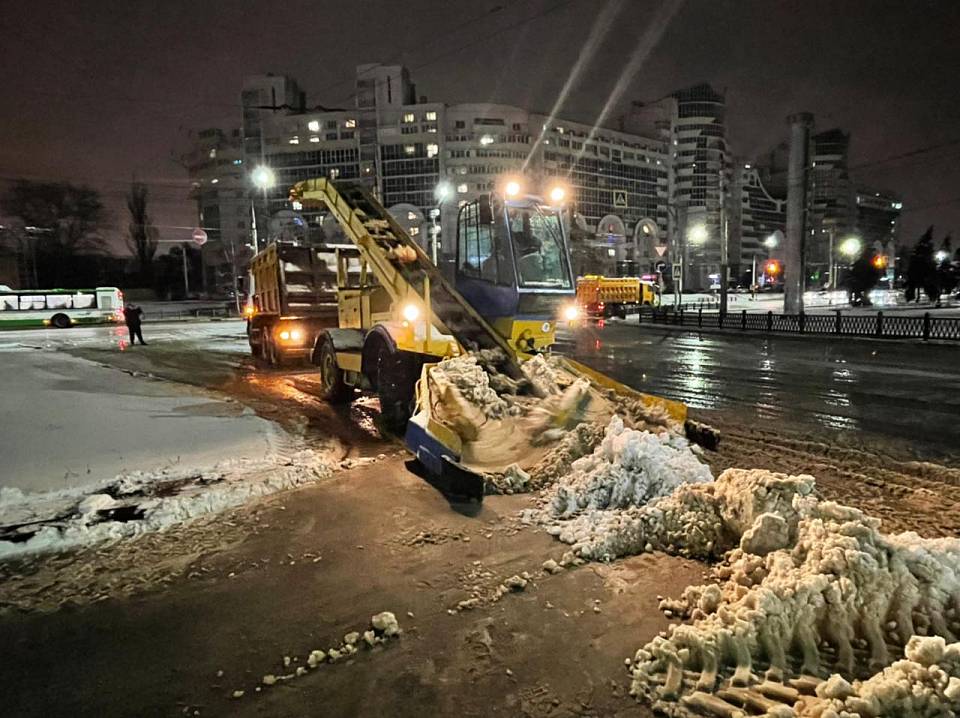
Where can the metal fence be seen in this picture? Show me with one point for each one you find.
(160, 314)
(877, 326)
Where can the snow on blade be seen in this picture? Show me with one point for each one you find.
(139, 502)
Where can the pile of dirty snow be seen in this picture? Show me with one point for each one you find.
(465, 376)
(139, 502)
(628, 468)
(545, 377)
(810, 587)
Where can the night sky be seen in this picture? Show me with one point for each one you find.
(102, 92)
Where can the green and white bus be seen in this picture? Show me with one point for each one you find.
(60, 308)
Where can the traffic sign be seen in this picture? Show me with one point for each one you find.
(199, 236)
(661, 249)
(619, 198)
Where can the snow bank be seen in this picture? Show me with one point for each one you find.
(628, 468)
(139, 502)
(635, 491)
(832, 599)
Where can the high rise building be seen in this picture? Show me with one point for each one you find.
(220, 189)
(878, 219)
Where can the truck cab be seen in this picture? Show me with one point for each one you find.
(513, 265)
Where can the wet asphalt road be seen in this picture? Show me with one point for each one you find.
(902, 392)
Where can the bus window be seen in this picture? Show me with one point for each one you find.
(58, 301)
(8, 304)
(32, 301)
(85, 301)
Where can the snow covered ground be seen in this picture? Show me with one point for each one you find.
(68, 422)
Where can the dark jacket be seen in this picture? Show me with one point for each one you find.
(132, 316)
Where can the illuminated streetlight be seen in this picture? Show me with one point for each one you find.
(942, 255)
(443, 191)
(698, 234)
(557, 194)
(263, 177)
(771, 242)
(512, 188)
(851, 247)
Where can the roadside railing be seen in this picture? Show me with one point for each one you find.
(878, 326)
(222, 312)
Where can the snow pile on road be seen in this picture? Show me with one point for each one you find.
(139, 502)
(825, 590)
(925, 683)
(628, 468)
(467, 378)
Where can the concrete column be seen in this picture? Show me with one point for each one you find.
(796, 235)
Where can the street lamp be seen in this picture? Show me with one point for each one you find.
(851, 247)
(263, 178)
(441, 193)
(942, 256)
(698, 234)
(771, 242)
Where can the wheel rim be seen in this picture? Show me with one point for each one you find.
(327, 368)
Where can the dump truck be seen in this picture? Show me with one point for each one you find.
(292, 298)
(605, 297)
(399, 315)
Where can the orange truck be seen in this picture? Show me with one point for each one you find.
(605, 297)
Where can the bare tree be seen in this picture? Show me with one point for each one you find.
(63, 221)
(142, 237)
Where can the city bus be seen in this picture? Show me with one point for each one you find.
(59, 308)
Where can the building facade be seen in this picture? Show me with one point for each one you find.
(649, 190)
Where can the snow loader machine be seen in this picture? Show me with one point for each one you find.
(398, 315)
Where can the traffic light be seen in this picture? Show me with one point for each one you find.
(880, 261)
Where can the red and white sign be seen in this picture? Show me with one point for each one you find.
(661, 249)
(199, 236)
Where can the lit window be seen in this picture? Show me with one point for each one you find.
(314, 138)
(486, 140)
(349, 123)
(335, 172)
(560, 130)
(462, 188)
(414, 231)
(297, 206)
(313, 125)
(409, 149)
(213, 152)
(430, 116)
(215, 180)
(411, 216)
(238, 162)
(409, 117)
(294, 140)
(432, 150)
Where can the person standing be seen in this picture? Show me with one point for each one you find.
(132, 315)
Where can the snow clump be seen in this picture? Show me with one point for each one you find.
(466, 377)
(831, 599)
(629, 468)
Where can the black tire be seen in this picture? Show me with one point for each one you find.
(61, 321)
(396, 379)
(333, 388)
(274, 357)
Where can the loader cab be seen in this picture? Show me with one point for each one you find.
(513, 266)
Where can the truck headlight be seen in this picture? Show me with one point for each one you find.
(411, 312)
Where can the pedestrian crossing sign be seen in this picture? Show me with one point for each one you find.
(619, 198)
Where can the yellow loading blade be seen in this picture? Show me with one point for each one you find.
(675, 409)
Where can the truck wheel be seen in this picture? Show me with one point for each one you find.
(274, 357)
(395, 389)
(332, 386)
(60, 321)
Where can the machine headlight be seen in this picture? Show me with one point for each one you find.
(285, 335)
(296, 335)
(511, 188)
(571, 312)
(557, 194)
(411, 312)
